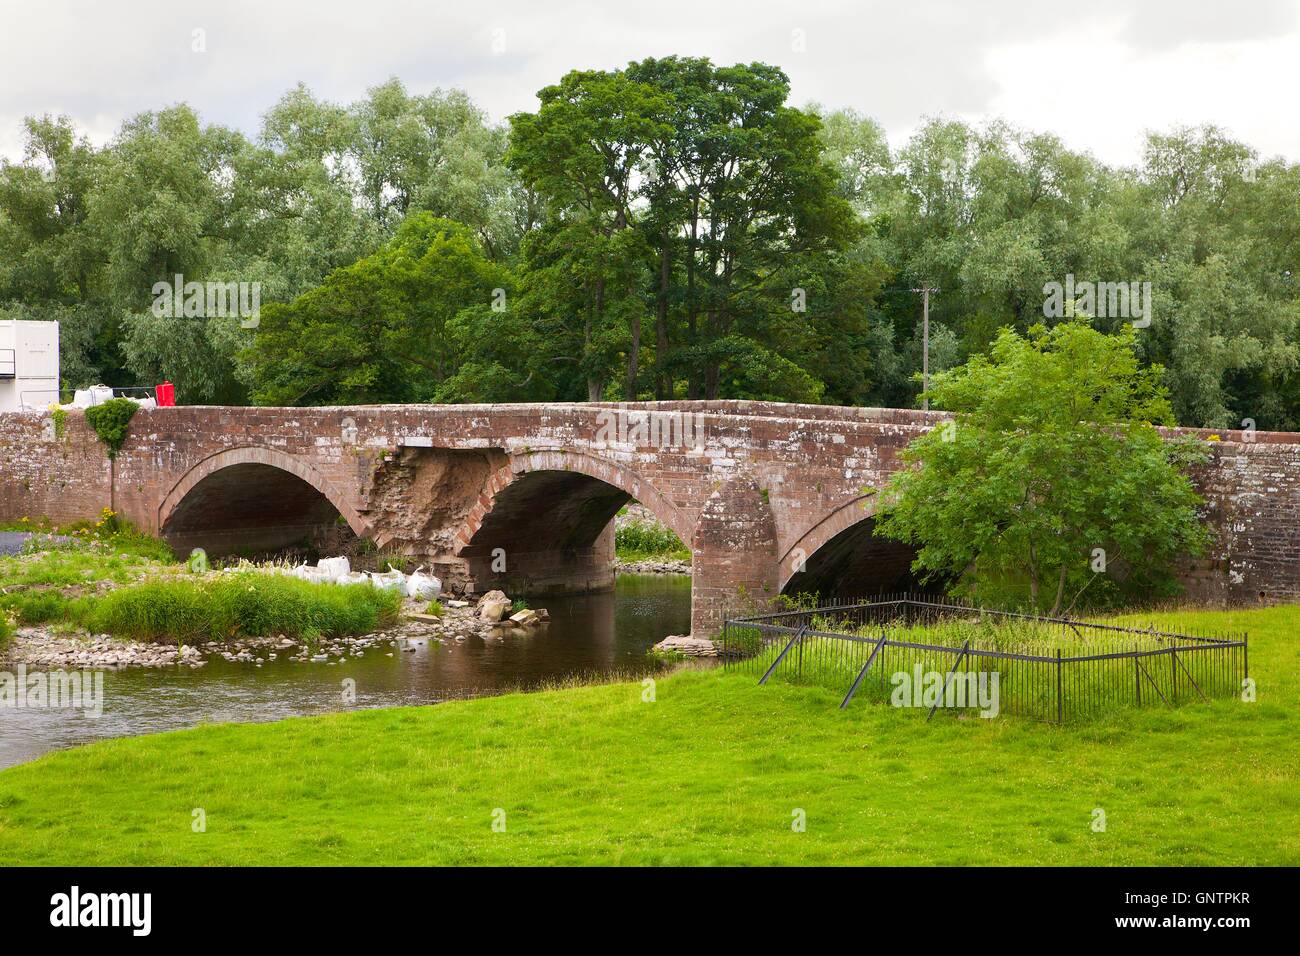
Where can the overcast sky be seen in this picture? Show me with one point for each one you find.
(1096, 72)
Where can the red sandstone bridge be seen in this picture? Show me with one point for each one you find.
(768, 497)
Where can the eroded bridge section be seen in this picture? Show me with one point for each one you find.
(521, 497)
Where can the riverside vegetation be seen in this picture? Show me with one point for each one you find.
(106, 577)
(705, 770)
(642, 544)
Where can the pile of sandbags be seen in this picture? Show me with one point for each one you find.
(99, 394)
(423, 587)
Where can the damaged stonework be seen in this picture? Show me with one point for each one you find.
(420, 496)
(522, 497)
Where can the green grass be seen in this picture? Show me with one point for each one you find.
(1026, 687)
(108, 534)
(56, 581)
(711, 771)
(110, 578)
(637, 540)
(219, 606)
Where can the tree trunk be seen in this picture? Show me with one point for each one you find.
(663, 387)
(633, 359)
(1060, 594)
(1033, 578)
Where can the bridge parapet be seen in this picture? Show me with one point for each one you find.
(746, 485)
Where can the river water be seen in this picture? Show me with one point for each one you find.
(589, 635)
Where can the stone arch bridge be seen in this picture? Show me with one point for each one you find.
(766, 496)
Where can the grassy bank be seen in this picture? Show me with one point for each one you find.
(711, 771)
(107, 578)
(61, 571)
(644, 539)
(249, 603)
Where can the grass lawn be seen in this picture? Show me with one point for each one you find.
(710, 772)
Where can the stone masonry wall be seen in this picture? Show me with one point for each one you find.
(745, 484)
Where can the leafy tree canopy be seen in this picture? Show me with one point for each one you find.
(1052, 480)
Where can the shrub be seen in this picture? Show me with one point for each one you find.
(636, 537)
(59, 418)
(34, 607)
(246, 603)
(434, 608)
(110, 421)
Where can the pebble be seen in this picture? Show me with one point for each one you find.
(40, 646)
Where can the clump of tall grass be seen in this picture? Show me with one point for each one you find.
(242, 604)
(35, 607)
(636, 538)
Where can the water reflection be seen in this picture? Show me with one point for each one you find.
(588, 635)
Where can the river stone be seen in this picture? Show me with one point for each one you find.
(494, 606)
(689, 646)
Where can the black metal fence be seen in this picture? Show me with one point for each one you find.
(929, 652)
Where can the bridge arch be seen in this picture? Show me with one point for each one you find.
(543, 521)
(251, 497)
(840, 555)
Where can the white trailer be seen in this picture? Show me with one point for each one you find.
(29, 364)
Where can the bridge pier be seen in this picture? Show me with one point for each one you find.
(576, 569)
(458, 487)
(733, 556)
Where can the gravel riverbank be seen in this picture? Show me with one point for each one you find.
(39, 646)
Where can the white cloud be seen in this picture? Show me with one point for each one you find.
(1097, 75)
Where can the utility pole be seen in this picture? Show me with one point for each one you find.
(925, 291)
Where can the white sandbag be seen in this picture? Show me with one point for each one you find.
(425, 587)
(82, 398)
(99, 394)
(390, 579)
(352, 577)
(307, 573)
(333, 567)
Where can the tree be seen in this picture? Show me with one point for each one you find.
(1053, 479)
(744, 209)
(381, 329)
(51, 259)
(583, 152)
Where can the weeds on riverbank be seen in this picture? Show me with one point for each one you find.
(60, 571)
(639, 540)
(700, 767)
(107, 534)
(242, 604)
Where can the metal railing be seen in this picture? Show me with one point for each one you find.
(42, 398)
(1047, 668)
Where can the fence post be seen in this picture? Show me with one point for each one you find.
(1060, 704)
(1173, 675)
